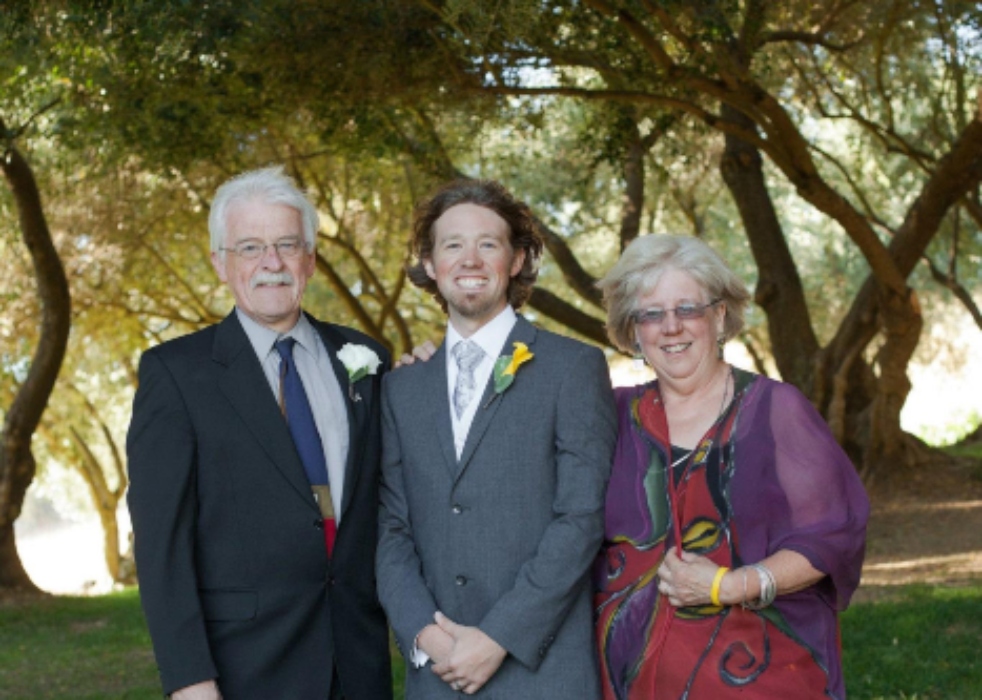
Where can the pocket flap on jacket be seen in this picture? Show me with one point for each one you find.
(228, 605)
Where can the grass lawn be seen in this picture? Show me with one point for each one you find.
(80, 649)
(922, 643)
(83, 648)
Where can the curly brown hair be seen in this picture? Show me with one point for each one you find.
(490, 195)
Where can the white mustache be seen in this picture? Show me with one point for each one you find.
(271, 278)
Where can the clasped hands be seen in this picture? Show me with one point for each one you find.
(464, 657)
(686, 581)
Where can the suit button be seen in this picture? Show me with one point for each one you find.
(457, 509)
(461, 580)
(330, 580)
(318, 523)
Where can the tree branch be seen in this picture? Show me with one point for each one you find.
(579, 280)
(563, 312)
(13, 134)
(638, 32)
(810, 38)
(350, 300)
(956, 288)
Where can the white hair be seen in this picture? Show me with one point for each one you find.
(267, 185)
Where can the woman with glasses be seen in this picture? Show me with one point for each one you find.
(735, 525)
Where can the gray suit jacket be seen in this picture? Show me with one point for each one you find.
(503, 538)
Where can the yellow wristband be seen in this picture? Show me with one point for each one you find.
(717, 580)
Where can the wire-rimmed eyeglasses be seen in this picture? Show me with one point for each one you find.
(253, 250)
(683, 312)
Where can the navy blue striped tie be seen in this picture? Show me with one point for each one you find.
(300, 420)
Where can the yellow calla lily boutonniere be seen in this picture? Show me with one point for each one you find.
(506, 366)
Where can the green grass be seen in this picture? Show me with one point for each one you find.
(973, 450)
(83, 649)
(922, 643)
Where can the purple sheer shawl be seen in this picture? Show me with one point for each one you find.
(792, 488)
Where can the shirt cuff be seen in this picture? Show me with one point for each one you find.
(417, 657)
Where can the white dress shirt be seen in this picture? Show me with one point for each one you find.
(327, 400)
(491, 338)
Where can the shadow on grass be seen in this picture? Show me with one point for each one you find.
(919, 643)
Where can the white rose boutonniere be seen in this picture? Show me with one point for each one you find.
(360, 361)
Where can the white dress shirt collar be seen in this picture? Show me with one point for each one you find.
(491, 337)
(263, 338)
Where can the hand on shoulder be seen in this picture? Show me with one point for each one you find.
(421, 352)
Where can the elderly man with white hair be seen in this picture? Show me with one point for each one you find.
(254, 456)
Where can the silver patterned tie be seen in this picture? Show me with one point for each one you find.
(468, 355)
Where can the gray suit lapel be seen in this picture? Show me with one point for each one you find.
(247, 389)
(435, 380)
(522, 332)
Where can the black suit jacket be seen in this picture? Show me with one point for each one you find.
(234, 578)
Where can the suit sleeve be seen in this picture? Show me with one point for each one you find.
(162, 502)
(526, 619)
(403, 591)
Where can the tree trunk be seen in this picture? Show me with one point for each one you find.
(110, 542)
(633, 197)
(104, 498)
(17, 465)
(561, 311)
(877, 402)
(889, 446)
(779, 290)
(12, 573)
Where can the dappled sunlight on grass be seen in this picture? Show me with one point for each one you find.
(931, 542)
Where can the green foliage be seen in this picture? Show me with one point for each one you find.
(133, 112)
(197, 92)
(184, 82)
(968, 445)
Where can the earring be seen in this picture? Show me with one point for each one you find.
(720, 342)
(639, 358)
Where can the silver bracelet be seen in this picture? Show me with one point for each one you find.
(744, 601)
(768, 588)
